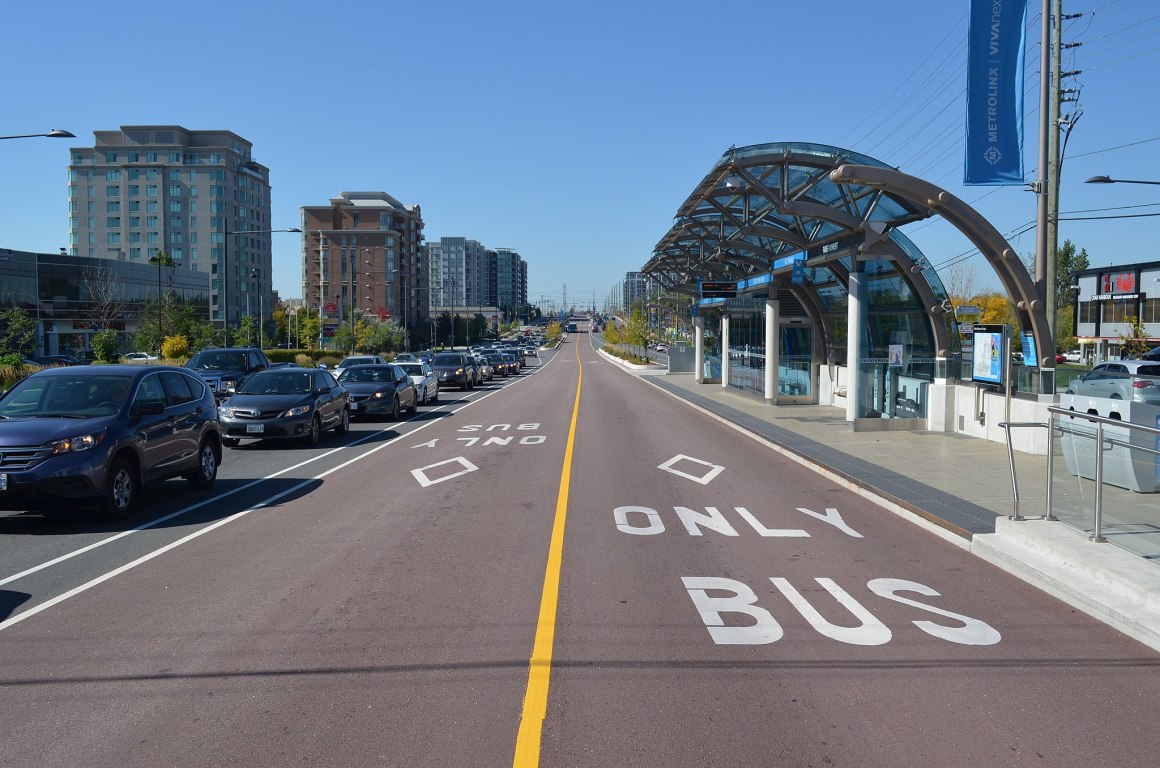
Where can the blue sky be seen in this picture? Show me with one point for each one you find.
(570, 132)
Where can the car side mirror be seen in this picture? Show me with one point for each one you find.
(323, 391)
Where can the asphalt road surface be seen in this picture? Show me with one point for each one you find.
(567, 568)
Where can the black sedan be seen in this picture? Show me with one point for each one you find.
(281, 403)
(93, 435)
(379, 390)
(454, 369)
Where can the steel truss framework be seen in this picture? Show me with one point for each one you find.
(761, 208)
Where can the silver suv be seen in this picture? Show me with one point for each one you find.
(1135, 380)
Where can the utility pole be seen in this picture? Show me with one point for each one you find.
(1053, 162)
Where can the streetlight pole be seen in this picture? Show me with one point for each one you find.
(225, 270)
(255, 278)
(55, 133)
(161, 259)
(1109, 180)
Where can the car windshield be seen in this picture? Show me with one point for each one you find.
(355, 361)
(217, 361)
(448, 359)
(365, 373)
(1148, 370)
(79, 397)
(279, 383)
(412, 369)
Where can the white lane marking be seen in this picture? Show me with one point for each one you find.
(420, 474)
(219, 497)
(705, 479)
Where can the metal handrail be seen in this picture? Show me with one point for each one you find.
(1007, 426)
(1100, 422)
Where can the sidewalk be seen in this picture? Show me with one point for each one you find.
(958, 488)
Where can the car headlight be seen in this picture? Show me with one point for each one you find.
(229, 383)
(378, 395)
(298, 411)
(78, 443)
(459, 372)
(227, 413)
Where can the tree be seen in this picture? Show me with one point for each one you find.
(106, 304)
(17, 332)
(1137, 344)
(1067, 263)
(247, 334)
(104, 344)
(995, 309)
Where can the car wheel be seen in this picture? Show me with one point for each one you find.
(423, 401)
(230, 442)
(395, 409)
(343, 423)
(121, 489)
(314, 435)
(207, 467)
(414, 404)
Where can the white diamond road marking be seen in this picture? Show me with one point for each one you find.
(425, 481)
(714, 469)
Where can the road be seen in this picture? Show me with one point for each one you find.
(570, 568)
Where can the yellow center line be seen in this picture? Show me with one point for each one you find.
(540, 667)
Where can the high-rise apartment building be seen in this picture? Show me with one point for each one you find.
(199, 196)
(364, 250)
(635, 289)
(459, 274)
(508, 281)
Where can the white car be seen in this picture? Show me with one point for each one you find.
(426, 382)
(1072, 356)
(139, 357)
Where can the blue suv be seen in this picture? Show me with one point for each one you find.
(95, 434)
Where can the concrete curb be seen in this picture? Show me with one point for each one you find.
(1098, 579)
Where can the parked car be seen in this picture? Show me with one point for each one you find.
(483, 368)
(346, 362)
(498, 364)
(425, 380)
(1074, 356)
(139, 357)
(1136, 380)
(285, 403)
(94, 435)
(57, 360)
(225, 369)
(379, 390)
(454, 369)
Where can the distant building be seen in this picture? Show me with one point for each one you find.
(73, 297)
(364, 250)
(507, 281)
(635, 289)
(1107, 299)
(148, 188)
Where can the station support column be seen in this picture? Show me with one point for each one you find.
(855, 322)
(699, 349)
(724, 350)
(772, 348)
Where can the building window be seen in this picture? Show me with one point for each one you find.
(175, 237)
(89, 190)
(113, 221)
(134, 253)
(151, 206)
(134, 189)
(151, 157)
(175, 174)
(175, 222)
(152, 238)
(1118, 311)
(151, 221)
(110, 156)
(113, 174)
(133, 157)
(174, 157)
(134, 237)
(133, 174)
(151, 190)
(113, 191)
(175, 190)
(193, 172)
(1151, 313)
(193, 191)
(151, 174)
(134, 206)
(217, 191)
(113, 238)
(175, 206)
(112, 206)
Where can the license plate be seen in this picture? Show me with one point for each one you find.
(255, 429)
(354, 406)
(3, 482)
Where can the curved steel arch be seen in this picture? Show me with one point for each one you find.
(998, 252)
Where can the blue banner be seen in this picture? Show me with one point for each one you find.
(995, 45)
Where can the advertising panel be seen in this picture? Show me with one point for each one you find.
(987, 360)
(996, 40)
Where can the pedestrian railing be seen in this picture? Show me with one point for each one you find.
(1102, 476)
